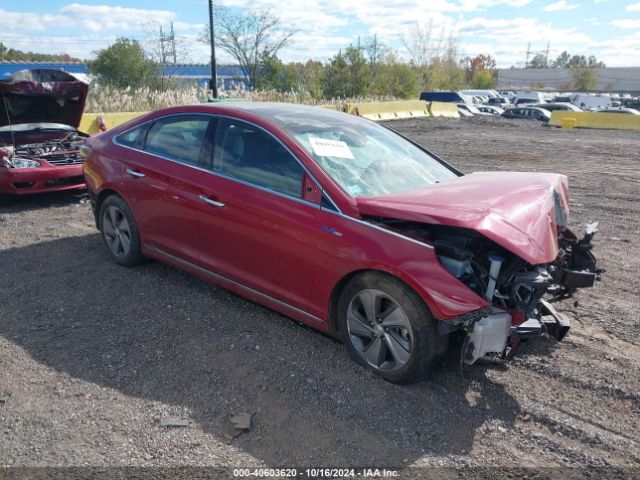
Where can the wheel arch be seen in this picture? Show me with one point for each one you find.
(334, 329)
(100, 198)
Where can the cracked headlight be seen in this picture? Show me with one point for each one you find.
(24, 163)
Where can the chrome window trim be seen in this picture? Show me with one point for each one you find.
(336, 209)
(228, 177)
(222, 278)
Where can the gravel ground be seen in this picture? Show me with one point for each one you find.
(94, 357)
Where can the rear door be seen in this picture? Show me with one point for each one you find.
(256, 226)
(160, 182)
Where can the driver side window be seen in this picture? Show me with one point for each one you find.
(248, 153)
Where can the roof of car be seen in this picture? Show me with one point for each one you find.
(526, 108)
(632, 111)
(287, 115)
(274, 109)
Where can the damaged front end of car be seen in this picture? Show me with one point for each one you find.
(520, 263)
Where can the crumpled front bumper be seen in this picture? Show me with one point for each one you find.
(551, 322)
(492, 333)
(24, 181)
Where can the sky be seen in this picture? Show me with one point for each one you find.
(608, 29)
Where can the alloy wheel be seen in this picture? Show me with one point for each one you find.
(116, 231)
(380, 330)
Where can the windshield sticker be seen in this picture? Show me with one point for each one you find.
(330, 148)
(354, 190)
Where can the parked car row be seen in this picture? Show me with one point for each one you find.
(528, 105)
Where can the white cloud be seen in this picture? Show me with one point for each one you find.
(77, 45)
(94, 18)
(626, 23)
(473, 5)
(595, 21)
(520, 31)
(98, 18)
(621, 51)
(188, 27)
(560, 6)
(633, 7)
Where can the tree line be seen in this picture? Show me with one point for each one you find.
(565, 60)
(14, 55)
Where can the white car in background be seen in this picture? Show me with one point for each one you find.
(472, 109)
(588, 101)
(490, 109)
(628, 111)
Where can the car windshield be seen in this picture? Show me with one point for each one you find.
(364, 158)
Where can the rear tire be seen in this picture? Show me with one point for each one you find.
(119, 232)
(388, 329)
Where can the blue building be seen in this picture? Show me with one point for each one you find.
(229, 76)
(9, 68)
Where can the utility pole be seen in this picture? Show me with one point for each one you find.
(526, 63)
(170, 51)
(213, 84)
(546, 55)
(172, 43)
(162, 56)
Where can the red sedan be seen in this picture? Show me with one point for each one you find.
(344, 225)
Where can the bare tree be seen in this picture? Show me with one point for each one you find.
(375, 51)
(249, 36)
(417, 40)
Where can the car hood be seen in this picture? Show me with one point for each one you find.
(518, 211)
(36, 96)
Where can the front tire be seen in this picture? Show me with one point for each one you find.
(120, 232)
(387, 328)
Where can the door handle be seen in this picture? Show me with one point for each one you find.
(206, 199)
(134, 173)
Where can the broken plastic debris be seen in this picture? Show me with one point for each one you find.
(174, 422)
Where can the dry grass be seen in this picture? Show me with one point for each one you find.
(298, 97)
(103, 98)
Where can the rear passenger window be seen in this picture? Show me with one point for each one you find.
(134, 137)
(179, 138)
(248, 153)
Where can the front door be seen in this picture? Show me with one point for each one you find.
(254, 226)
